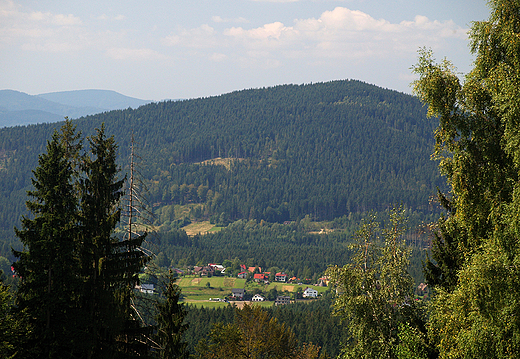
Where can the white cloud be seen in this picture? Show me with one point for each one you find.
(218, 57)
(201, 37)
(142, 54)
(218, 19)
(338, 33)
(266, 32)
(38, 31)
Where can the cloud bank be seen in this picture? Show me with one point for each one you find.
(340, 32)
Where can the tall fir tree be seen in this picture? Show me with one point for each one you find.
(170, 323)
(100, 193)
(77, 276)
(48, 289)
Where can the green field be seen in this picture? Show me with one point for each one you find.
(214, 282)
(289, 287)
(200, 227)
(196, 290)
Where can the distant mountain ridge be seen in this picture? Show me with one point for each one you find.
(18, 108)
(102, 99)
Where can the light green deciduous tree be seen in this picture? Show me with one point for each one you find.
(478, 145)
(374, 293)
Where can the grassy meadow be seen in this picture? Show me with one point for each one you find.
(198, 290)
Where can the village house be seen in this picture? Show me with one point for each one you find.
(257, 298)
(178, 271)
(259, 277)
(238, 293)
(216, 267)
(204, 271)
(242, 275)
(282, 300)
(280, 277)
(147, 288)
(310, 293)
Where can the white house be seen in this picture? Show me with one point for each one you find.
(218, 267)
(257, 298)
(310, 293)
(147, 288)
(280, 277)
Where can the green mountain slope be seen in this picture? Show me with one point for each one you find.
(323, 150)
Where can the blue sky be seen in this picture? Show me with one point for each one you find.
(159, 49)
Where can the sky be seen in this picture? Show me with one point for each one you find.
(164, 49)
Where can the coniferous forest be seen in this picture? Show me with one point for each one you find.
(330, 180)
(322, 150)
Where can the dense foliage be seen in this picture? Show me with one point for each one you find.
(171, 323)
(476, 252)
(374, 293)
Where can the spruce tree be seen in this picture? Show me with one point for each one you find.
(170, 323)
(77, 276)
(100, 193)
(48, 289)
(109, 264)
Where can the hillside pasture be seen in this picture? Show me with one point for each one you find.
(200, 228)
(197, 292)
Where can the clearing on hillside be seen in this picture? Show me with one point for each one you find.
(226, 162)
(200, 228)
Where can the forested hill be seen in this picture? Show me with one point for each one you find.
(323, 150)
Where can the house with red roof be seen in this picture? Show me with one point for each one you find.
(259, 277)
(280, 277)
(252, 269)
